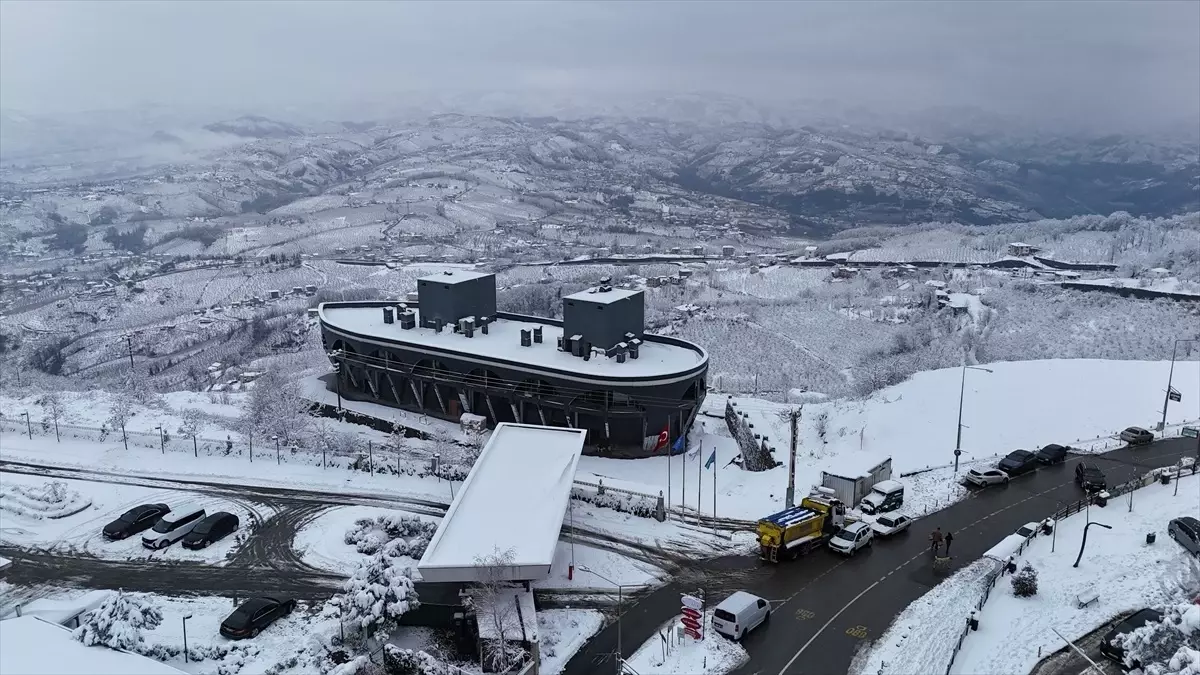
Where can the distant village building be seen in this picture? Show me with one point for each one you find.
(647, 249)
(1021, 249)
(697, 250)
(727, 251)
(810, 251)
(843, 272)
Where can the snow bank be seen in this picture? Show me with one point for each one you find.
(935, 620)
(562, 632)
(1118, 564)
(664, 654)
(48, 500)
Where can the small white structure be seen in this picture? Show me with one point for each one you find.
(514, 499)
(810, 251)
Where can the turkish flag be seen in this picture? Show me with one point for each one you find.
(664, 437)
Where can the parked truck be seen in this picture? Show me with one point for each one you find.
(799, 529)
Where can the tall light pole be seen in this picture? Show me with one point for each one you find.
(962, 390)
(620, 602)
(28, 426)
(162, 444)
(1162, 429)
(1084, 542)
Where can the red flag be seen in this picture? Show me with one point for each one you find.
(664, 437)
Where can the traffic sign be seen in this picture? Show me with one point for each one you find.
(1174, 395)
(695, 635)
(692, 602)
(691, 613)
(689, 622)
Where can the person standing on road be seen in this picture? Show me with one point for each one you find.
(949, 540)
(935, 540)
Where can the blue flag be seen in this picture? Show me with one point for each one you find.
(712, 459)
(678, 447)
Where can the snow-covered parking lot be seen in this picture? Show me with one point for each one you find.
(80, 531)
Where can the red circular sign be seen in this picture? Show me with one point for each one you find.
(688, 611)
(689, 622)
(691, 633)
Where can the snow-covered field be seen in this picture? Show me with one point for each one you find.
(80, 532)
(1128, 573)
(684, 656)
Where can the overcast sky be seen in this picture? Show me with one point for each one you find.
(1126, 64)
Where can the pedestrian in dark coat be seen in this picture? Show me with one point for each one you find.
(949, 540)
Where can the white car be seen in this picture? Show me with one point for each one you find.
(986, 477)
(1029, 530)
(172, 527)
(851, 538)
(890, 524)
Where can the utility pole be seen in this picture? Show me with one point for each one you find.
(794, 418)
(962, 390)
(129, 345)
(1162, 428)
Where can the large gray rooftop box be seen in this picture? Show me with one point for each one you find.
(455, 294)
(604, 315)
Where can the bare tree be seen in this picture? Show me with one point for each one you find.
(55, 408)
(275, 409)
(493, 598)
(190, 426)
(119, 413)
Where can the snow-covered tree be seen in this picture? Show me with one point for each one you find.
(1167, 647)
(377, 595)
(55, 408)
(275, 408)
(190, 424)
(118, 622)
(1025, 582)
(492, 598)
(119, 414)
(397, 661)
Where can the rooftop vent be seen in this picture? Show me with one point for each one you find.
(605, 288)
(604, 281)
(388, 316)
(525, 337)
(483, 328)
(448, 273)
(438, 324)
(620, 357)
(634, 347)
(537, 334)
(408, 320)
(576, 345)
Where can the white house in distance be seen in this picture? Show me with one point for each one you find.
(1020, 249)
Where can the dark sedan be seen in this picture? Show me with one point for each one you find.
(1018, 462)
(135, 521)
(1052, 454)
(254, 616)
(1186, 532)
(1134, 622)
(213, 528)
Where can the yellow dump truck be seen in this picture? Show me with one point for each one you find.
(798, 530)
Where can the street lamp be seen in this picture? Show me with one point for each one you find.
(962, 388)
(185, 649)
(620, 603)
(1084, 542)
(28, 426)
(276, 439)
(1162, 427)
(162, 444)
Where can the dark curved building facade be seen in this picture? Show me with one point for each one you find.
(450, 352)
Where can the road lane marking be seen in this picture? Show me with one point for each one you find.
(805, 614)
(822, 628)
(859, 632)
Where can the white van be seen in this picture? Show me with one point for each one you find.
(173, 526)
(739, 614)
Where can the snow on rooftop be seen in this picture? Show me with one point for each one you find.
(454, 276)
(503, 341)
(514, 500)
(33, 646)
(604, 297)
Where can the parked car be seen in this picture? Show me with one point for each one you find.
(739, 614)
(1089, 477)
(213, 528)
(1136, 436)
(1018, 462)
(135, 521)
(1130, 624)
(890, 524)
(1186, 532)
(851, 538)
(986, 477)
(1053, 454)
(254, 615)
(172, 527)
(886, 495)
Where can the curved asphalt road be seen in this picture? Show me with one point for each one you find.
(827, 608)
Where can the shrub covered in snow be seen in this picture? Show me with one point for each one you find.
(49, 500)
(398, 661)
(1025, 582)
(1167, 647)
(118, 622)
(377, 595)
(394, 534)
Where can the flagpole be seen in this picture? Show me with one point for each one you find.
(682, 477)
(715, 467)
(699, 476)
